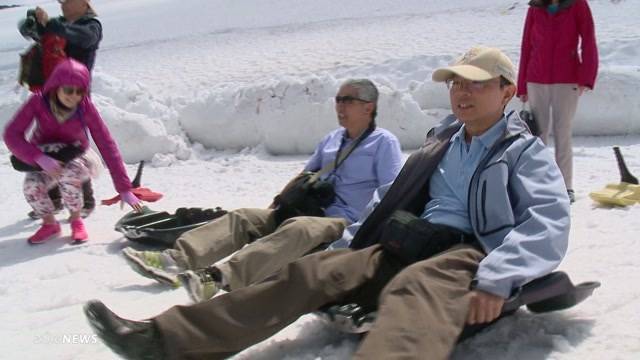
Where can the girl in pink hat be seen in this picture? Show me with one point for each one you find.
(64, 116)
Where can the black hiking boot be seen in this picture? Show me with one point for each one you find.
(133, 340)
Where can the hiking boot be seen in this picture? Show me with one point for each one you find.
(156, 265)
(88, 199)
(57, 209)
(45, 233)
(78, 231)
(572, 196)
(133, 340)
(86, 211)
(202, 284)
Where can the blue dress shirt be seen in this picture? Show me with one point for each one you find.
(376, 161)
(449, 185)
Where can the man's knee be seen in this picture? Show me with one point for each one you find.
(306, 226)
(242, 213)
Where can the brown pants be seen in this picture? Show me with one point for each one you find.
(270, 247)
(293, 239)
(207, 244)
(421, 309)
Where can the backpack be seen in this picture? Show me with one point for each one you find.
(30, 72)
(38, 62)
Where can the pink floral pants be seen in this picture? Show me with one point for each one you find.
(37, 184)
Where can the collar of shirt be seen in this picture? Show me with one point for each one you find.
(486, 140)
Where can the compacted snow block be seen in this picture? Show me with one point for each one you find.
(159, 228)
(625, 193)
(552, 292)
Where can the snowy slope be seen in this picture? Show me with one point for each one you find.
(259, 76)
(188, 71)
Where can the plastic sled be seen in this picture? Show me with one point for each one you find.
(160, 228)
(142, 193)
(626, 193)
(622, 194)
(552, 292)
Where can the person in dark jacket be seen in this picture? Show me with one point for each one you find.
(488, 188)
(558, 61)
(78, 25)
(82, 33)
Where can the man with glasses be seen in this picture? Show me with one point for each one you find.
(488, 188)
(81, 33)
(375, 160)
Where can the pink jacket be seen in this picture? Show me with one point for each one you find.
(73, 131)
(549, 53)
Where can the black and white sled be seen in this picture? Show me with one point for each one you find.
(552, 292)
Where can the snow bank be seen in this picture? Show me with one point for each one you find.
(234, 79)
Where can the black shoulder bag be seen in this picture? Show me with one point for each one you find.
(409, 238)
(307, 194)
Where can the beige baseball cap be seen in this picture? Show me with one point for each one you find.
(479, 64)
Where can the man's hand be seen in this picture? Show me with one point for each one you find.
(484, 307)
(42, 16)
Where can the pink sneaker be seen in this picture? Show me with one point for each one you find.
(46, 232)
(78, 232)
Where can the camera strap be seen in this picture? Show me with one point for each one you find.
(340, 155)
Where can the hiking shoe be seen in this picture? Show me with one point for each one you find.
(58, 208)
(86, 211)
(134, 340)
(45, 233)
(78, 231)
(155, 265)
(572, 196)
(202, 284)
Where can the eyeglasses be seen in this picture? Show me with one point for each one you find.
(70, 90)
(471, 85)
(348, 99)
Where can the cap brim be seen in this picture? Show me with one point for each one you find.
(468, 72)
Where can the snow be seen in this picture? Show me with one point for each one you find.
(232, 84)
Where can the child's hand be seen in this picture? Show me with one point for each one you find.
(49, 165)
(133, 201)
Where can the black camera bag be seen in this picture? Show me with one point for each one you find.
(409, 238)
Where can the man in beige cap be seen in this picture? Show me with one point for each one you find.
(487, 193)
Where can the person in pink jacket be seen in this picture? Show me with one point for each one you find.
(558, 61)
(64, 116)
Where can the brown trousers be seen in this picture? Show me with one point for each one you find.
(421, 308)
(270, 247)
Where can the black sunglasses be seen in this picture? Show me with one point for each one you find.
(348, 99)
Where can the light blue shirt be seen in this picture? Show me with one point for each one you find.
(376, 161)
(449, 185)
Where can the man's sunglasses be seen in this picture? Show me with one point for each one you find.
(348, 99)
(70, 90)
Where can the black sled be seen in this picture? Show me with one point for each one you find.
(160, 228)
(552, 292)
